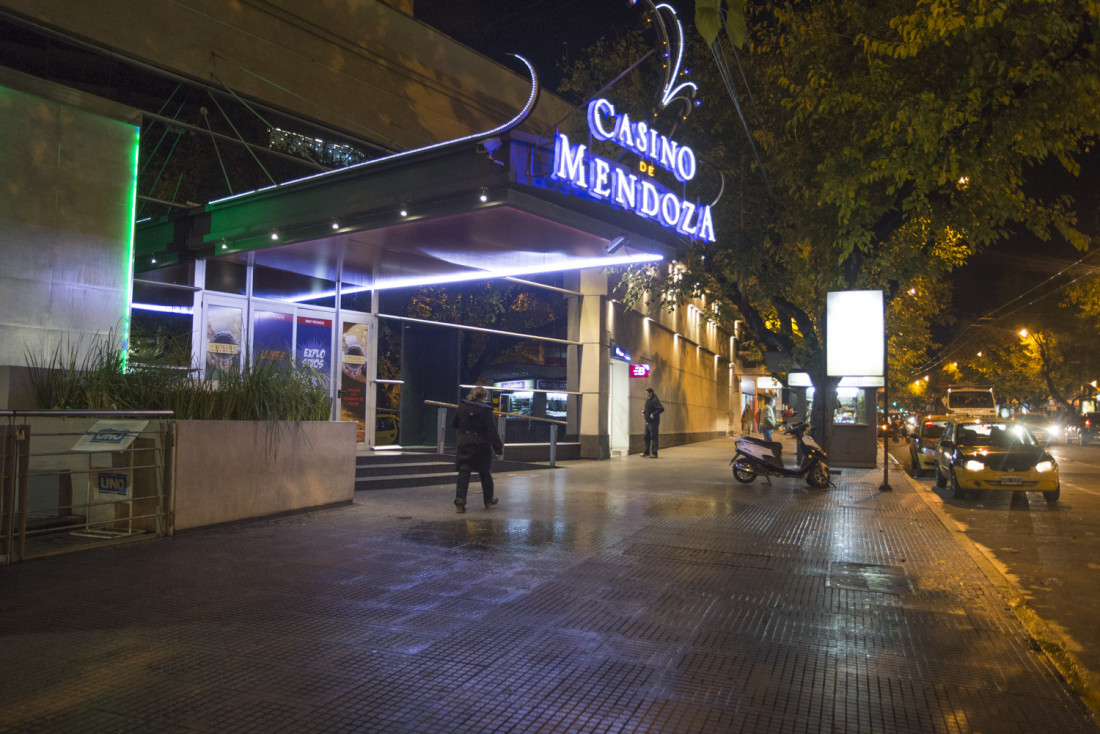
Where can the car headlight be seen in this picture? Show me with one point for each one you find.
(1043, 466)
(972, 465)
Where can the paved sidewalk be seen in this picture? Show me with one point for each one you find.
(632, 595)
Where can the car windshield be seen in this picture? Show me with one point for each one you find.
(970, 399)
(1000, 435)
(1032, 419)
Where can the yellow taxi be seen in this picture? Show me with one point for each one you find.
(977, 454)
(924, 438)
(385, 429)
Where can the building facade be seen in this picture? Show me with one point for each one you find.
(457, 192)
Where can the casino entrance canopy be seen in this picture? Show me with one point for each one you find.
(460, 211)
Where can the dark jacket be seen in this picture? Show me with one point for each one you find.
(653, 409)
(476, 436)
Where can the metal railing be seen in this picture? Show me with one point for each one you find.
(75, 479)
(502, 417)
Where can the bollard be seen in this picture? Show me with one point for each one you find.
(440, 430)
(553, 443)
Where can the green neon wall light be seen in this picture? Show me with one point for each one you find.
(129, 229)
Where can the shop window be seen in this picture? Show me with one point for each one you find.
(226, 276)
(283, 285)
(851, 405)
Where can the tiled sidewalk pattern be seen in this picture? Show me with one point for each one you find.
(620, 596)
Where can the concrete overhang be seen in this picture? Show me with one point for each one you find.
(350, 221)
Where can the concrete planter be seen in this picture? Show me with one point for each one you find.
(235, 470)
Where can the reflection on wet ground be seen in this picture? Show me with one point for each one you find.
(616, 596)
(510, 535)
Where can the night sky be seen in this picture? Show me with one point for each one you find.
(544, 31)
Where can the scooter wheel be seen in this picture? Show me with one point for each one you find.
(818, 477)
(743, 471)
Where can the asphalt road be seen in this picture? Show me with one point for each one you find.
(1051, 552)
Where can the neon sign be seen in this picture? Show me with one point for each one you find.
(640, 370)
(617, 184)
(641, 139)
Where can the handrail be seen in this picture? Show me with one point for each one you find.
(441, 430)
(500, 412)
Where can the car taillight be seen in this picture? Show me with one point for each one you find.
(1087, 423)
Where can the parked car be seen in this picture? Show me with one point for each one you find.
(1083, 429)
(925, 438)
(976, 454)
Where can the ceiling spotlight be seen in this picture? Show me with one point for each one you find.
(224, 245)
(484, 194)
(616, 244)
(404, 210)
(153, 260)
(335, 225)
(274, 235)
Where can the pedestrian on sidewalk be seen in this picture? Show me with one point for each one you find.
(652, 413)
(477, 439)
(746, 421)
(767, 419)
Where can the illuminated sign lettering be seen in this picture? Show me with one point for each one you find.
(640, 370)
(617, 184)
(618, 352)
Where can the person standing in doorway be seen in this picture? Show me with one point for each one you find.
(477, 439)
(767, 419)
(746, 420)
(652, 412)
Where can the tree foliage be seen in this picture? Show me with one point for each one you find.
(891, 141)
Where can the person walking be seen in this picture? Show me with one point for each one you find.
(767, 419)
(746, 421)
(477, 439)
(652, 413)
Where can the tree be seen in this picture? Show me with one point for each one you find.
(895, 140)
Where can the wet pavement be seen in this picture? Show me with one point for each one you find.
(631, 595)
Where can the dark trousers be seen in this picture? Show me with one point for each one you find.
(650, 437)
(464, 485)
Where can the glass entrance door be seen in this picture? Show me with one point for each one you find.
(355, 372)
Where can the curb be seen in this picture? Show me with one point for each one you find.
(1047, 640)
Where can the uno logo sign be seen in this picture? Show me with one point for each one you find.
(112, 483)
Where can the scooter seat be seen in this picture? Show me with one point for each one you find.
(773, 446)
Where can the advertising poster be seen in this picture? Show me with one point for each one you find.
(272, 335)
(314, 344)
(223, 340)
(353, 377)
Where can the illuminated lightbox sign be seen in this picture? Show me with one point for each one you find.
(855, 333)
(606, 180)
(619, 353)
(799, 379)
(640, 370)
